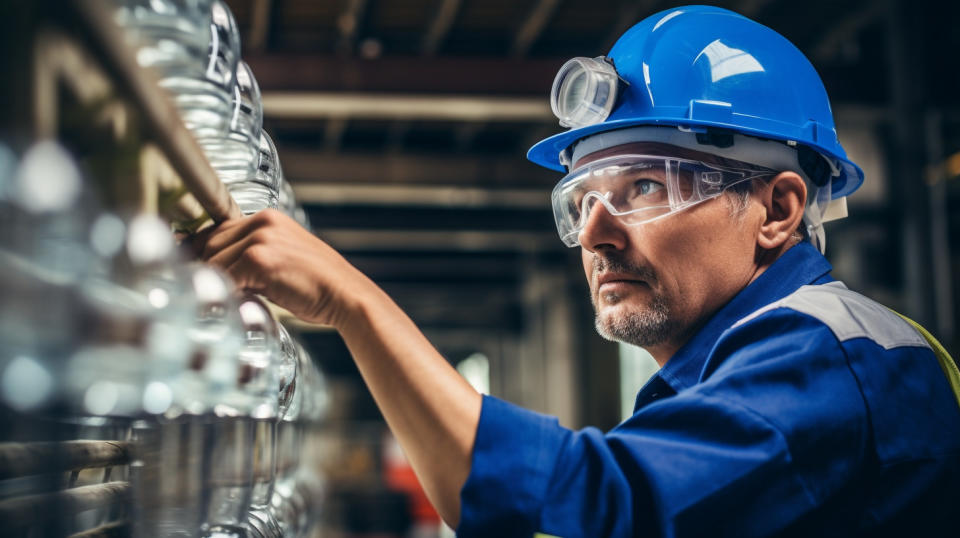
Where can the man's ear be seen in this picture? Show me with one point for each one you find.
(784, 198)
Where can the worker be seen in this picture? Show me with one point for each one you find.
(700, 165)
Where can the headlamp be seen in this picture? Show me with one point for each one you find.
(584, 91)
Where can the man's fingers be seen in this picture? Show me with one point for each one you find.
(198, 240)
(251, 249)
(229, 254)
(248, 274)
(253, 260)
(223, 236)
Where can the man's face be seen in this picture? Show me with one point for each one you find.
(655, 283)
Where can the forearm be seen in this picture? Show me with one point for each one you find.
(430, 408)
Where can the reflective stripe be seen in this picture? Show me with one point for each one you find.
(947, 364)
(849, 315)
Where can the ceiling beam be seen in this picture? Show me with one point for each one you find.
(452, 241)
(532, 27)
(304, 167)
(345, 194)
(314, 105)
(403, 219)
(304, 72)
(462, 268)
(440, 27)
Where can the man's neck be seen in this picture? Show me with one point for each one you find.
(664, 351)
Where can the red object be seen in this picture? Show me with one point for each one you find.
(399, 476)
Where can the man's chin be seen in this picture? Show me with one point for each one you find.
(631, 324)
(610, 317)
(607, 327)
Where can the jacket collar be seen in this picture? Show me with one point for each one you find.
(799, 266)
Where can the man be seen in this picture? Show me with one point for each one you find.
(702, 163)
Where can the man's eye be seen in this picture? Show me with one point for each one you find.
(574, 207)
(647, 187)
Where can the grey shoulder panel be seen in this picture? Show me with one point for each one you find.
(848, 314)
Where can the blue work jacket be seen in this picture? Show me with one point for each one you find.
(800, 408)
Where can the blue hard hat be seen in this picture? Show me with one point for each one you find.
(702, 67)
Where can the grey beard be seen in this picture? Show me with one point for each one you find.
(647, 327)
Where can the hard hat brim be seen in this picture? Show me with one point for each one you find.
(546, 153)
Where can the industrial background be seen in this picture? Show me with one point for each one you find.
(403, 127)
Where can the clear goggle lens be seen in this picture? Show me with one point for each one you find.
(584, 91)
(639, 189)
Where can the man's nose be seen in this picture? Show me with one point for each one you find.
(602, 230)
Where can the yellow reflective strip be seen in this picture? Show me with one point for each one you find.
(542, 535)
(946, 363)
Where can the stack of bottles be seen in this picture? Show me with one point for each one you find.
(111, 333)
(193, 46)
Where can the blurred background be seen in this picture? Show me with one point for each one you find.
(402, 127)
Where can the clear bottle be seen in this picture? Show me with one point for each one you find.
(215, 333)
(288, 200)
(253, 197)
(244, 433)
(193, 46)
(269, 171)
(310, 487)
(147, 306)
(235, 155)
(282, 504)
(262, 190)
(263, 360)
(289, 205)
(242, 417)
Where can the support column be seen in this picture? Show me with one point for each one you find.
(910, 193)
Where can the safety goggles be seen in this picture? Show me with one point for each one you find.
(640, 188)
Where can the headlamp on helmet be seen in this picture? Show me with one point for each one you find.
(584, 91)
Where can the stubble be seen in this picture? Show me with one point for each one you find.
(643, 324)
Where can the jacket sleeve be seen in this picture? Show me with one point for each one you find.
(751, 450)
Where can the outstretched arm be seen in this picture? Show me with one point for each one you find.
(431, 410)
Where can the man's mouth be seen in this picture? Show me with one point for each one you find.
(618, 282)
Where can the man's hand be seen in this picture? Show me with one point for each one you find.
(270, 254)
(431, 409)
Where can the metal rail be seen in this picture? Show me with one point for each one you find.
(160, 117)
(110, 530)
(25, 459)
(28, 510)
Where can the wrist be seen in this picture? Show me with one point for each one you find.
(354, 308)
